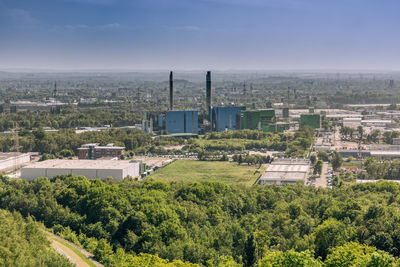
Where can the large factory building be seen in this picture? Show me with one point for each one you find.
(311, 120)
(182, 121)
(225, 118)
(92, 169)
(258, 120)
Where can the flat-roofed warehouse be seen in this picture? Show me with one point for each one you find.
(286, 171)
(92, 169)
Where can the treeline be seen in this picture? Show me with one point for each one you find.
(53, 142)
(294, 145)
(251, 159)
(68, 118)
(38, 140)
(387, 169)
(215, 224)
(239, 134)
(373, 137)
(22, 243)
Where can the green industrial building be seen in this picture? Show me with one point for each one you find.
(278, 127)
(311, 120)
(258, 119)
(285, 112)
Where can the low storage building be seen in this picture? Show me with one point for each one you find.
(92, 169)
(286, 171)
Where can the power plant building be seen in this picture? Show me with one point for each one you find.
(91, 169)
(312, 120)
(285, 112)
(278, 127)
(225, 118)
(182, 122)
(161, 121)
(258, 119)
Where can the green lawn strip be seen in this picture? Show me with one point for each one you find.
(349, 164)
(75, 250)
(214, 171)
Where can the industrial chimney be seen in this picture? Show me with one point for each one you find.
(208, 92)
(171, 91)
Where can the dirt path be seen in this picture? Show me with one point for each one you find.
(59, 244)
(67, 252)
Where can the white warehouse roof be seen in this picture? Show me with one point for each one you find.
(97, 169)
(283, 171)
(82, 164)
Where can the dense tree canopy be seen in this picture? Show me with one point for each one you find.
(22, 243)
(209, 223)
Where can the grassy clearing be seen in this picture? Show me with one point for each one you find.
(211, 171)
(357, 164)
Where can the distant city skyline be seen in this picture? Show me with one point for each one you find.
(200, 34)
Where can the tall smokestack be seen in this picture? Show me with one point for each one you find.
(171, 90)
(208, 92)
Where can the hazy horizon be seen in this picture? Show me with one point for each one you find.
(198, 35)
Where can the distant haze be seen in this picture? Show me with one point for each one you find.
(200, 34)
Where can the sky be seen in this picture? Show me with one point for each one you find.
(200, 34)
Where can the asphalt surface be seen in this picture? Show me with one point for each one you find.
(322, 181)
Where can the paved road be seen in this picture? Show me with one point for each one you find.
(322, 181)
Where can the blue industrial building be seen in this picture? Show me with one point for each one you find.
(182, 121)
(160, 121)
(225, 118)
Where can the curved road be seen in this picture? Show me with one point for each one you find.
(69, 253)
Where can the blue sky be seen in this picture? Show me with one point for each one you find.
(200, 34)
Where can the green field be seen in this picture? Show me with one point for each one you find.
(211, 171)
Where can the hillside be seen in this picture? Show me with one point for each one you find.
(210, 223)
(22, 243)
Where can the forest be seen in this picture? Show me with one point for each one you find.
(51, 143)
(138, 142)
(68, 118)
(22, 243)
(294, 145)
(214, 224)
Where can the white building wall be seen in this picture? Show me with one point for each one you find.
(94, 173)
(132, 170)
(117, 174)
(32, 173)
(88, 173)
(50, 173)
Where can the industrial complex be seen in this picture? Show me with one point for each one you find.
(223, 118)
(339, 130)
